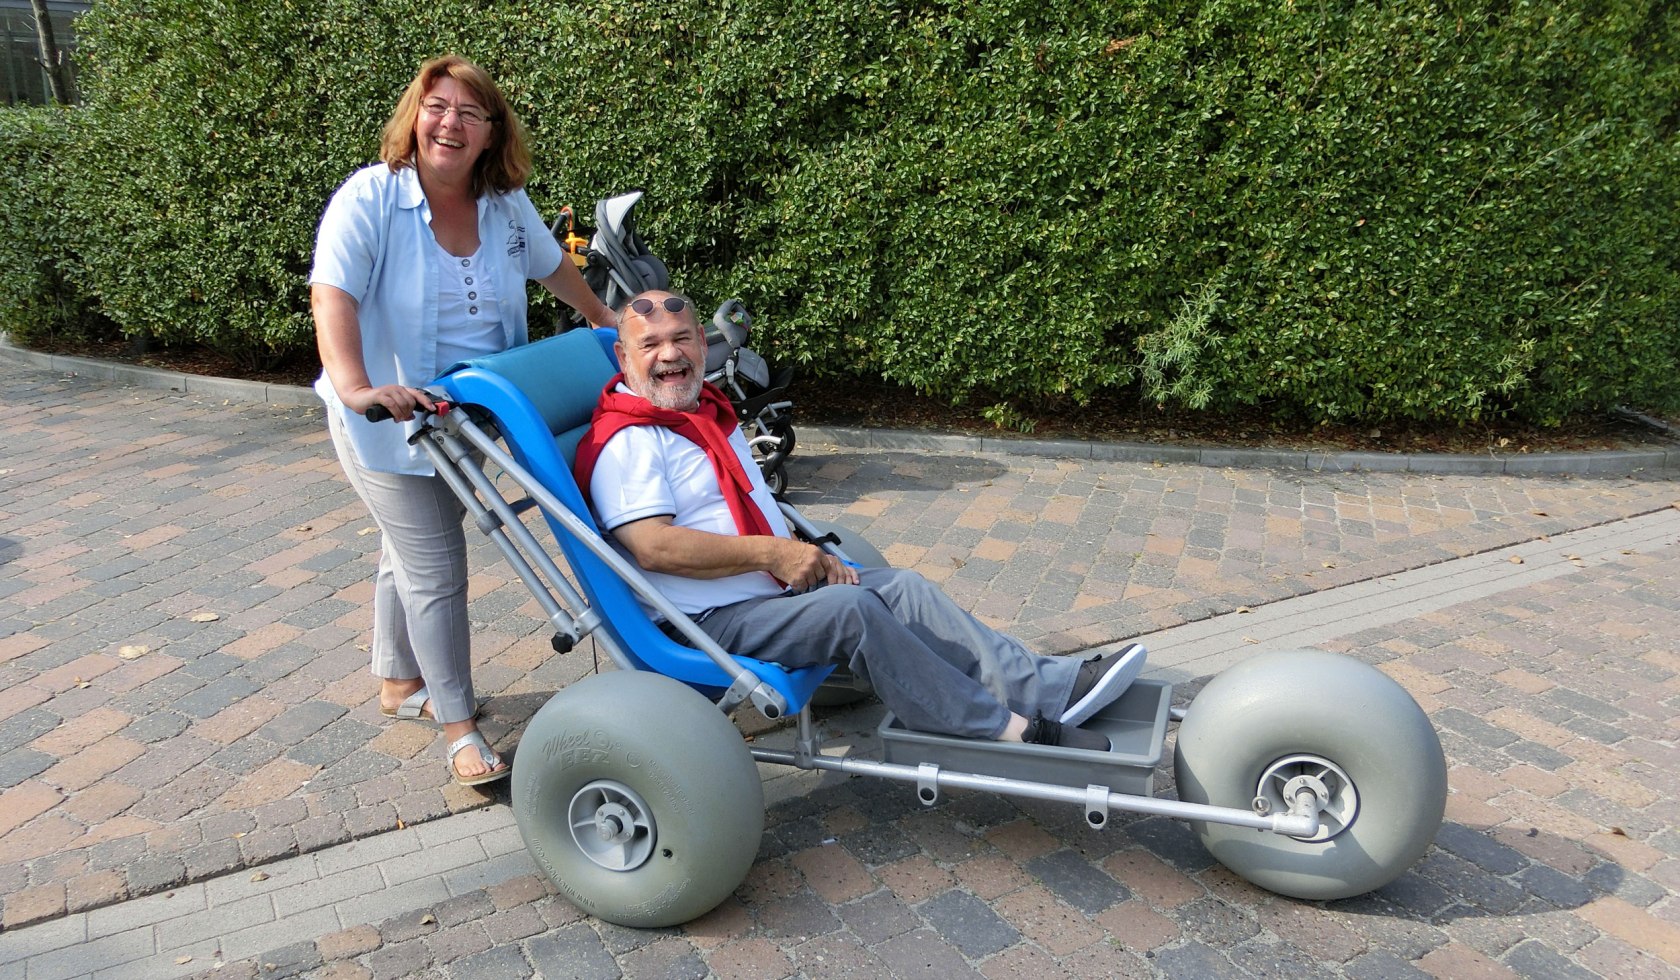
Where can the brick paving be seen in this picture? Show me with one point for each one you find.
(184, 699)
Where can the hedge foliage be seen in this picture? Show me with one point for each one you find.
(36, 300)
(1422, 210)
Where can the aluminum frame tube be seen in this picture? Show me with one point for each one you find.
(1290, 825)
(512, 538)
(743, 682)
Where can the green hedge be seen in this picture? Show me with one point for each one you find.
(1419, 210)
(36, 301)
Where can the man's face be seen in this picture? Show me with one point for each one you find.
(663, 354)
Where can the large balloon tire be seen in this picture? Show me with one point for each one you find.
(842, 688)
(643, 751)
(1317, 706)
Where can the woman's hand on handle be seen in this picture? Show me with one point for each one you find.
(338, 335)
(387, 402)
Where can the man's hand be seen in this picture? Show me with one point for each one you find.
(802, 566)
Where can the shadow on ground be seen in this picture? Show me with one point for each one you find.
(843, 477)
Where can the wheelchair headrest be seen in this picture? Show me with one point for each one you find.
(561, 376)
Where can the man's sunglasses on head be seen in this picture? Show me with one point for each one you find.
(643, 306)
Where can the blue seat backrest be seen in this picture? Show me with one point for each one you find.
(541, 397)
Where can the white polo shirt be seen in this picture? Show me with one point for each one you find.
(651, 471)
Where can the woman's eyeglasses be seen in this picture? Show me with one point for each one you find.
(642, 305)
(469, 116)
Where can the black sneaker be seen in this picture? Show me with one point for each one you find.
(1043, 731)
(1102, 680)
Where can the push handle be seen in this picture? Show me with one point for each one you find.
(379, 413)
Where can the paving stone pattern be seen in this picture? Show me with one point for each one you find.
(1558, 856)
(184, 693)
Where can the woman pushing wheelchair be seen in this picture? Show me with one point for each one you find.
(421, 260)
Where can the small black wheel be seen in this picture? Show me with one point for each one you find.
(782, 429)
(1311, 718)
(638, 799)
(776, 480)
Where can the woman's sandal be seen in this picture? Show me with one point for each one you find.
(414, 708)
(486, 755)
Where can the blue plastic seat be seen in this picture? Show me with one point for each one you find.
(541, 397)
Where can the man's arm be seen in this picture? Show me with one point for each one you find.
(658, 545)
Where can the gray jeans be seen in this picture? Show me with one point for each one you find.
(420, 626)
(935, 666)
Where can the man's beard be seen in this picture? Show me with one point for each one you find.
(663, 396)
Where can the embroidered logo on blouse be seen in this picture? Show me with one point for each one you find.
(516, 238)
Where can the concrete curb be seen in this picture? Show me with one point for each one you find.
(139, 376)
(1599, 464)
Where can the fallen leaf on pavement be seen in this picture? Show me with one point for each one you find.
(367, 530)
(259, 876)
(205, 617)
(1244, 609)
(133, 651)
(1516, 560)
(182, 959)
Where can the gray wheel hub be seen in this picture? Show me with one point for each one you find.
(1337, 797)
(612, 826)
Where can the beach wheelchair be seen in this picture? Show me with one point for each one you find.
(1305, 772)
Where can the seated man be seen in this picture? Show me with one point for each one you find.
(670, 476)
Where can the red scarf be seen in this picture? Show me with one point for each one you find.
(708, 427)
